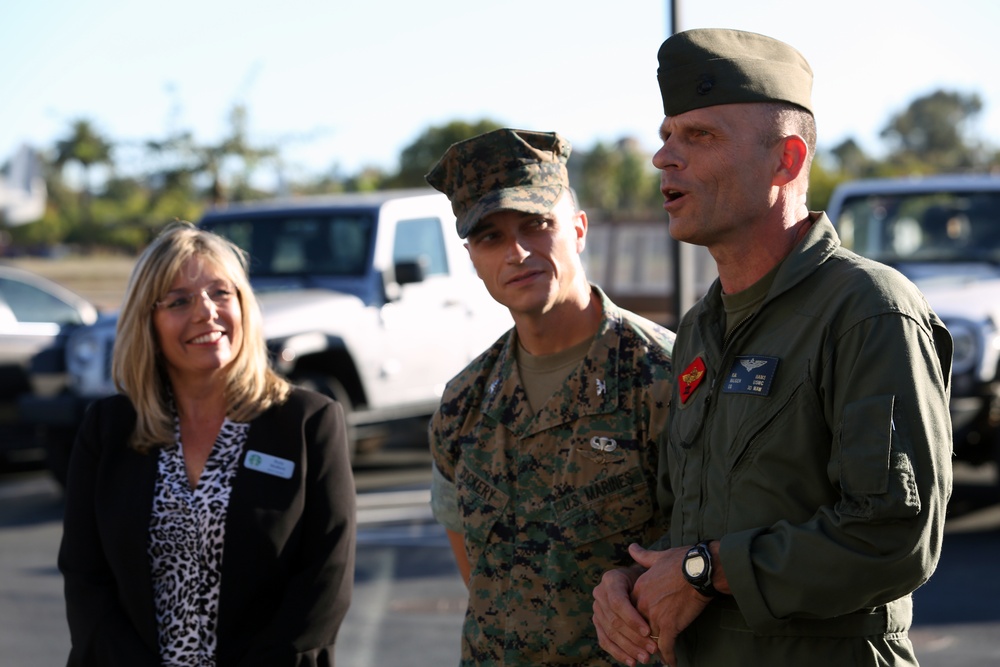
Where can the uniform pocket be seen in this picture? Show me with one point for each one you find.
(877, 479)
(606, 507)
(865, 441)
(480, 505)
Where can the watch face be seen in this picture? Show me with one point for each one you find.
(695, 566)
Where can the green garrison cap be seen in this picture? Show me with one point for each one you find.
(705, 67)
(502, 170)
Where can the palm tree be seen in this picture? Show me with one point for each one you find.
(85, 146)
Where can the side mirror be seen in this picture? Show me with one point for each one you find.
(402, 273)
(410, 272)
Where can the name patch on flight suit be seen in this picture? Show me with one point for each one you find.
(751, 375)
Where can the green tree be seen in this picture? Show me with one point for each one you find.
(822, 182)
(225, 167)
(932, 133)
(593, 176)
(420, 156)
(85, 146)
(852, 159)
(237, 155)
(616, 179)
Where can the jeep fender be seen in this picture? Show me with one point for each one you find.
(316, 355)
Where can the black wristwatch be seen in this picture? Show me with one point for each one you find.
(697, 569)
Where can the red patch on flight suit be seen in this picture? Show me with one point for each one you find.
(691, 378)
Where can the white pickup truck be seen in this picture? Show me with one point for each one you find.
(369, 298)
(943, 232)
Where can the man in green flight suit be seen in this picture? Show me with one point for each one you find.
(807, 469)
(545, 446)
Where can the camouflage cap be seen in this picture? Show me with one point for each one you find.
(705, 67)
(502, 170)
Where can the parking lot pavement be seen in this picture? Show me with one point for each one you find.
(409, 601)
(33, 628)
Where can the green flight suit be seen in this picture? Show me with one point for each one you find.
(549, 501)
(815, 443)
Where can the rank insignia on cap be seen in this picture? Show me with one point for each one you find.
(691, 378)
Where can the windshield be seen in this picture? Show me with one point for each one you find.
(334, 244)
(923, 227)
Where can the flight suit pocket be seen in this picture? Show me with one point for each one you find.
(865, 440)
(877, 479)
(606, 507)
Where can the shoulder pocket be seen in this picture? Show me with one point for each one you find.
(865, 438)
(878, 480)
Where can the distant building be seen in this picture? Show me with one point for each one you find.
(22, 189)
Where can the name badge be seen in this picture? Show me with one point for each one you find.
(269, 465)
(751, 375)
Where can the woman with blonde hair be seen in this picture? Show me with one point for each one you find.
(210, 505)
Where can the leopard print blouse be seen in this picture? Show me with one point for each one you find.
(185, 547)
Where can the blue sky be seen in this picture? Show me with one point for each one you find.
(352, 82)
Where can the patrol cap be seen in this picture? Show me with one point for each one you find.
(710, 66)
(502, 170)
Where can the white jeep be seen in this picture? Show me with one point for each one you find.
(943, 232)
(369, 298)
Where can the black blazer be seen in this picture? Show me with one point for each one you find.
(288, 555)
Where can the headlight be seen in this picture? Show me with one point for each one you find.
(967, 339)
(82, 350)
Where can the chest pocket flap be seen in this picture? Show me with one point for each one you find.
(604, 508)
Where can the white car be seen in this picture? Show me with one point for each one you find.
(36, 316)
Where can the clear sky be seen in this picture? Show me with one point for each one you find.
(352, 82)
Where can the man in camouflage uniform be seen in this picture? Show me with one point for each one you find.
(545, 447)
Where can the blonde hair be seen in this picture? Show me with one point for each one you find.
(137, 368)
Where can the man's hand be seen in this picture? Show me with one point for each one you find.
(621, 629)
(664, 597)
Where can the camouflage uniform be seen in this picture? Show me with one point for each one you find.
(547, 502)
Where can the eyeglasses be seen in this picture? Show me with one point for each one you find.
(220, 295)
